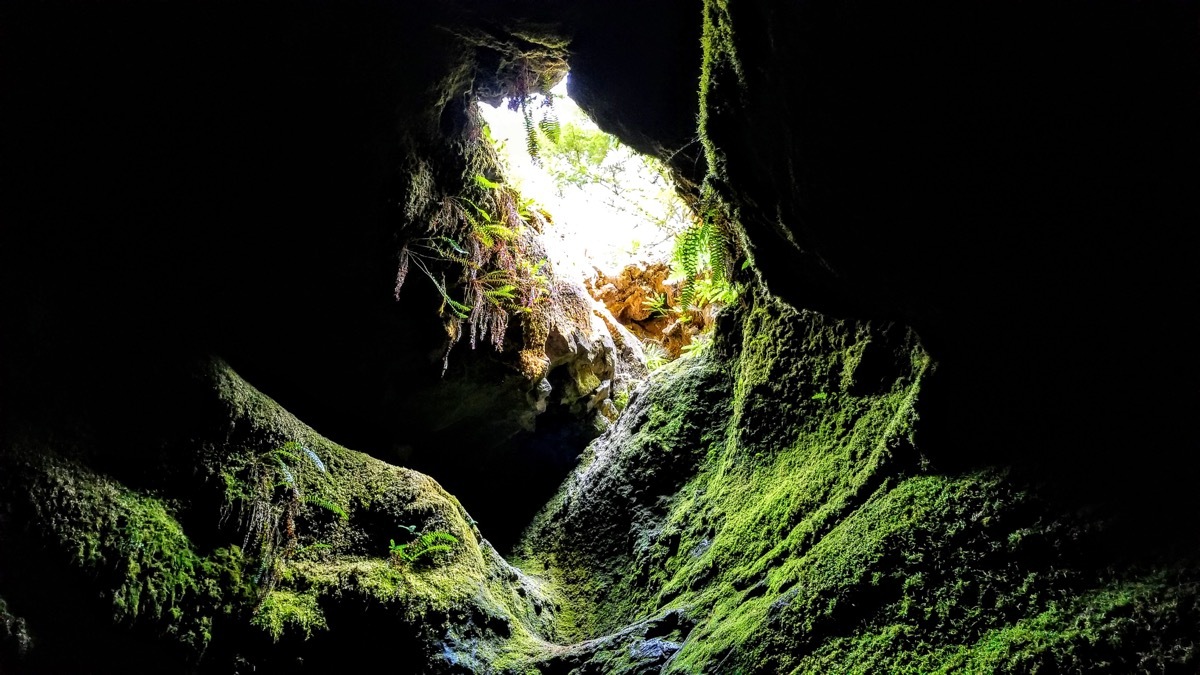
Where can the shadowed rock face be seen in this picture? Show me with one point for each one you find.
(238, 180)
(1011, 181)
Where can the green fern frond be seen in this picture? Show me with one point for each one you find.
(507, 292)
(328, 505)
(656, 305)
(687, 292)
(457, 308)
(484, 214)
(431, 549)
(283, 455)
(549, 123)
(427, 543)
(454, 245)
(431, 538)
(656, 355)
(688, 246)
(493, 232)
(483, 182)
(531, 138)
(719, 250)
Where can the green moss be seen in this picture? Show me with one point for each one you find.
(651, 450)
(808, 534)
(352, 565)
(132, 546)
(281, 610)
(721, 77)
(137, 549)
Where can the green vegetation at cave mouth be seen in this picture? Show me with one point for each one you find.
(771, 492)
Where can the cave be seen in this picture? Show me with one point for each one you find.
(280, 391)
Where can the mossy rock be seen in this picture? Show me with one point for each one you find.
(188, 570)
(774, 492)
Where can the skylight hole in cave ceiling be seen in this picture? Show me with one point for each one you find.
(610, 206)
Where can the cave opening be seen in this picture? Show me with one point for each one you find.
(618, 222)
(608, 223)
(610, 205)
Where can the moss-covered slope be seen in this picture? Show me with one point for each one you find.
(254, 542)
(773, 491)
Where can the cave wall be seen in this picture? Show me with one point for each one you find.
(228, 536)
(236, 179)
(773, 491)
(217, 178)
(1012, 181)
(239, 179)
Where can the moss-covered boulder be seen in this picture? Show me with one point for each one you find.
(774, 492)
(249, 542)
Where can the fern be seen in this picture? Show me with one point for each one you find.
(481, 212)
(430, 538)
(549, 122)
(478, 234)
(456, 308)
(699, 345)
(688, 248)
(505, 292)
(656, 355)
(427, 543)
(705, 246)
(449, 249)
(328, 505)
(717, 243)
(657, 305)
(483, 182)
(271, 499)
(490, 233)
(547, 126)
(532, 146)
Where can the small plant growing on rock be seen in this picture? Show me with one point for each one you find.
(656, 355)
(483, 236)
(280, 483)
(427, 543)
(701, 344)
(702, 257)
(657, 305)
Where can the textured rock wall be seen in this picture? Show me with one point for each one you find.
(155, 565)
(771, 493)
(239, 180)
(1010, 180)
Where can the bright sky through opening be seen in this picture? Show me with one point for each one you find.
(630, 217)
